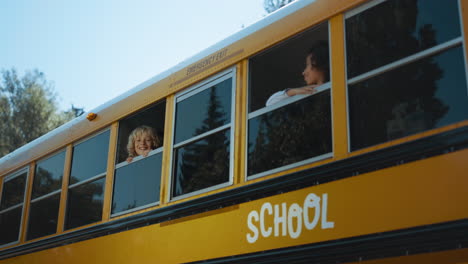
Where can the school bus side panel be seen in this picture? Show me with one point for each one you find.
(414, 194)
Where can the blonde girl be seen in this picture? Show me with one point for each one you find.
(141, 141)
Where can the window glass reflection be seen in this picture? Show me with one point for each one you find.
(90, 158)
(48, 176)
(202, 164)
(293, 133)
(137, 184)
(10, 222)
(13, 191)
(427, 94)
(85, 204)
(43, 216)
(398, 28)
(204, 111)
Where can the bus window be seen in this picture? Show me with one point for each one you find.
(138, 174)
(11, 206)
(406, 72)
(202, 155)
(152, 116)
(87, 178)
(44, 207)
(297, 127)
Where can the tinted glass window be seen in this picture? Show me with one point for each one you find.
(204, 111)
(426, 94)
(293, 133)
(43, 216)
(10, 222)
(85, 204)
(48, 177)
(137, 184)
(13, 191)
(293, 127)
(281, 66)
(202, 164)
(90, 158)
(398, 28)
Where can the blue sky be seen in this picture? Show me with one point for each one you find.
(94, 50)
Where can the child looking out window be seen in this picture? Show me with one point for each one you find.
(141, 141)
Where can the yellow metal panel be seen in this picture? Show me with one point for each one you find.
(338, 75)
(240, 123)
(106, 208)
(167, 150)
(27, 201)
(64, 193)
(415, 194)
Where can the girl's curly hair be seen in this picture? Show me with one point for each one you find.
(138, 132)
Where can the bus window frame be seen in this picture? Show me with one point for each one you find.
(45, 196)
(64, 150)
(117, 164)
(440, 48)
(96, 177)
(124, 164)
(230, 73)
(137, 158)
(324, 87)
(5, 179)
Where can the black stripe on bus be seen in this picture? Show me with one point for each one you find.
(428, 239)
(439, 144)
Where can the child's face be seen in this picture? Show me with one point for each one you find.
(143, 144)
(312, 75)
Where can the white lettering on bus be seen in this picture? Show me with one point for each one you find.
(289, 220)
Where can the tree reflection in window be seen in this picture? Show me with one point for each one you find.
(85, 204)
(11, 206)
(204, 162)
(87, 179)
(293, 133)
(426, 93)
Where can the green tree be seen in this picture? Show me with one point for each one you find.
(273, 5)
(205, 163)
(28, 109)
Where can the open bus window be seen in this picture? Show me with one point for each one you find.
(87, 178)
(45, 200)
(281, 67)
(202, 155)
(151, 120)
(291, 129)
(138, 174)
(11, 206)
(407, 72)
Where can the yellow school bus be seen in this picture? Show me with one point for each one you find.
(266, 149)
